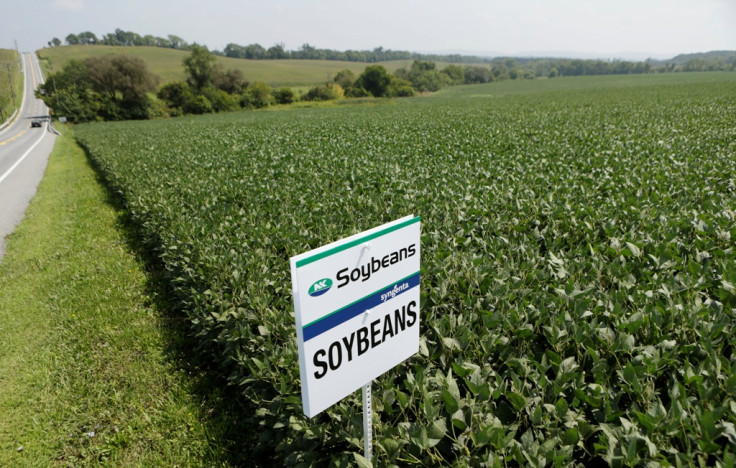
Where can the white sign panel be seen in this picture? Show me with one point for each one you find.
(357, 310)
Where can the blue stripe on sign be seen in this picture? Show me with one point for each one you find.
(358, 307)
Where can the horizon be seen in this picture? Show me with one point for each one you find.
(630, 29)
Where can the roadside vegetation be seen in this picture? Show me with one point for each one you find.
(93, 370)
(11, 83)
(578, 267)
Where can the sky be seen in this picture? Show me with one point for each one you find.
(626, 29)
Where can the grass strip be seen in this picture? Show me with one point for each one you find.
(89, 368)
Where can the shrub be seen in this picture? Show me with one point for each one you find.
(324, 92)
(284, 96)
(257, 96)
(400, 88)
(220, 100)
(357, 92)
(197, 104)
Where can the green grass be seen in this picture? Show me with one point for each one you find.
(167, 63)
(7, 104)
(90, 367)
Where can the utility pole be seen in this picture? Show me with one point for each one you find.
(20, 57)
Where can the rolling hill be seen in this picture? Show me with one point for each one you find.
(167, 63)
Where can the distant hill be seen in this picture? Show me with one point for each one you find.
(167, 63)
(725, 55)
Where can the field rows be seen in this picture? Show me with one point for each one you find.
(578, 264)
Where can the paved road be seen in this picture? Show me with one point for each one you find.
(24, 152)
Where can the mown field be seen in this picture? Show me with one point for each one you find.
(167, 63)
(578, 266)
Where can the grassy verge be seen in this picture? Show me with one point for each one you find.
(89, 368)
(7, 103)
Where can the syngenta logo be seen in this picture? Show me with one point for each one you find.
(320, 287)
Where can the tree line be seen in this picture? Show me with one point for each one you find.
(121, 87)
(257, 51)
(517, 67)
(122, 38)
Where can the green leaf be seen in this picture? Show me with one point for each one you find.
(570, 437)
(517, 400)
(361, 461)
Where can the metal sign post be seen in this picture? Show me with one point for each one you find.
(367, 422)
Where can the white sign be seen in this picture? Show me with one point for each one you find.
(356, 305)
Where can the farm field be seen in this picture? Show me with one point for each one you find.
(578, 264)
(167, 63)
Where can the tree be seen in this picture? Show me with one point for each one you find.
(231, 81)
(87, 37)
(110, 87)
(255, 51)
(284, 96)
(234, 51)
(399, 88)
(455, 74)
(374, 79)
(258, 95)
(424, 76)
(124, 74)
(345, 78)
(276, 52)
(200, 67)
(476, 74)
(72, 39)
(176, 42)
(55, 42)
(125, 80)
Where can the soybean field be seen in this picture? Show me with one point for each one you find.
(578, 266)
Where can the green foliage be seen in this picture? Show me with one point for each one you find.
(220, 100)
(11, 83)
(198, 104)
(180, 98)
(257, 96)
(455, 74)
(477, 75)
(345, 78)
(578, 266)
(324, 92)
(425, 77)
(111, 87)
(200, 67)
(375, 80)
(284, 95)
(232, 81)
(399, 88)
(357, 92)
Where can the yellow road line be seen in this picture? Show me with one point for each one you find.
(13, 138)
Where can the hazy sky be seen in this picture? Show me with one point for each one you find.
(603, 28)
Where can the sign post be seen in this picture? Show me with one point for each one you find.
(356, 304)
(367, 422)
